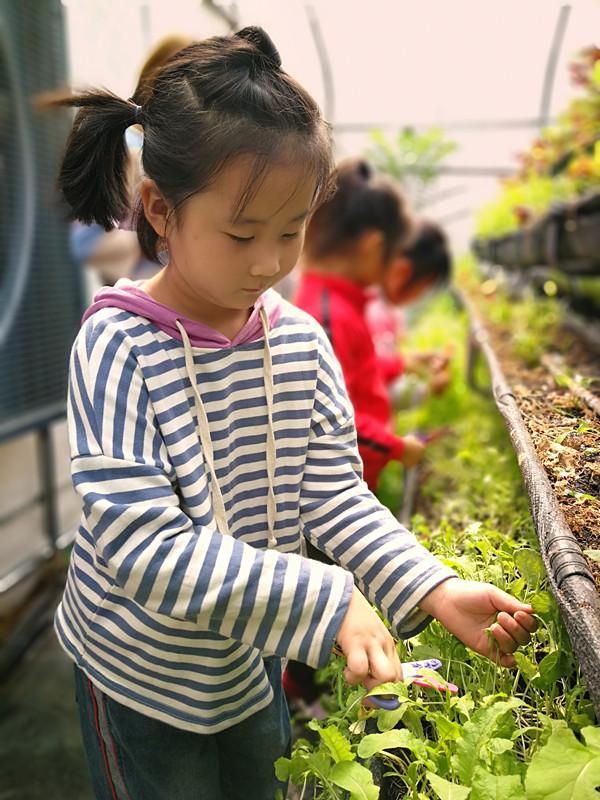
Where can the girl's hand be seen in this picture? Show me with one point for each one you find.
(371, 656)
(414, 450)
(468, 609)
(426, 362)
(439, 381)
(439, 362)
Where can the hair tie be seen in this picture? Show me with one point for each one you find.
(137, 112)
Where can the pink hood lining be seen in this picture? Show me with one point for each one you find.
(129, 296)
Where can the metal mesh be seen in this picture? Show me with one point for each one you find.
(40, 290)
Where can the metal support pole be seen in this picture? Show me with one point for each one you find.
(49, 489)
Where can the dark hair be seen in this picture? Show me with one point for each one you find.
(429, 254)
(363, 201)
(212, 101)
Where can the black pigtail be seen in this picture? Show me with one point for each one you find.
(93, 178)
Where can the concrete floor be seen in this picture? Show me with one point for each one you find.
(41, 755)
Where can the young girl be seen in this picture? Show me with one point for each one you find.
(351, 246)
(210, 431)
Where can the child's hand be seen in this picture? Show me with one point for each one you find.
(468, 609)
(371, 656)
(439, 362)
(426, 362)
(414, 450)
(439, 381)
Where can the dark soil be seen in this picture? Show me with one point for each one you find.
(564, 430)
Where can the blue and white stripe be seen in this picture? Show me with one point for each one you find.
(163, 612)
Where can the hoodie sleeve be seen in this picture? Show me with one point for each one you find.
(282, 604)
(360, 365)
(343, 519)
(391, 366)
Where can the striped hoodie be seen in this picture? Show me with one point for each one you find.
(201, 464)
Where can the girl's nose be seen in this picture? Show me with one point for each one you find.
(266, 267)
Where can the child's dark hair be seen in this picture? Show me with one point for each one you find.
(363, 201)
(429, 254)
(212, 101)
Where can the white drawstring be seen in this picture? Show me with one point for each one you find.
(271, 444)
(204, 434)
(205, 440)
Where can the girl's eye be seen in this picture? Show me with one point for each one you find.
(240, 239)
(291, 235)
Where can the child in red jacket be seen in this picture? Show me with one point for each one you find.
(351, 245)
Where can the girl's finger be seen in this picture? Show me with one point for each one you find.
(506, 602)
(357, 666)
(527, 621)
(513, 628)
(392, 653)
(507, 661)
(504, 639)
(382, 667)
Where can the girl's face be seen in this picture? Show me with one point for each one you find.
(229, 262)
(398, 284)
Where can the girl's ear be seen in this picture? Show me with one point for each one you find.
(156, 208)
(396, 279)
(370, 245)
(370, 252)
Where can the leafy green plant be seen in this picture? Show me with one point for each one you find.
(499, 737)
(521, 200)
(413, 159)
(561, 164)
(530, 322)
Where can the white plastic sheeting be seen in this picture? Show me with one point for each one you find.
(476, 67)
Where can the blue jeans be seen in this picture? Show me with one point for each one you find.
(134, 757)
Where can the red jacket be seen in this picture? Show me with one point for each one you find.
(339, 305)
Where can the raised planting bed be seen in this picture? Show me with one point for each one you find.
(567, 238)
(551, 413)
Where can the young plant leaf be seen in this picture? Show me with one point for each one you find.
(355, 779)
(464, 705)
(483, 725)
(400, 737)
(565, 769)
(396, 689)
(542, 603)
(496, 787)
(294, 768)
(447, 791)
(337, 744)
(592, 738)
(283, 768)
(551, 668)
(527, 667)
(386, 720)
(446, 728)
(498, 746)
(530, 565)
(358, 728)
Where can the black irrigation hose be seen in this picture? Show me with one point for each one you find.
(570, 579)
